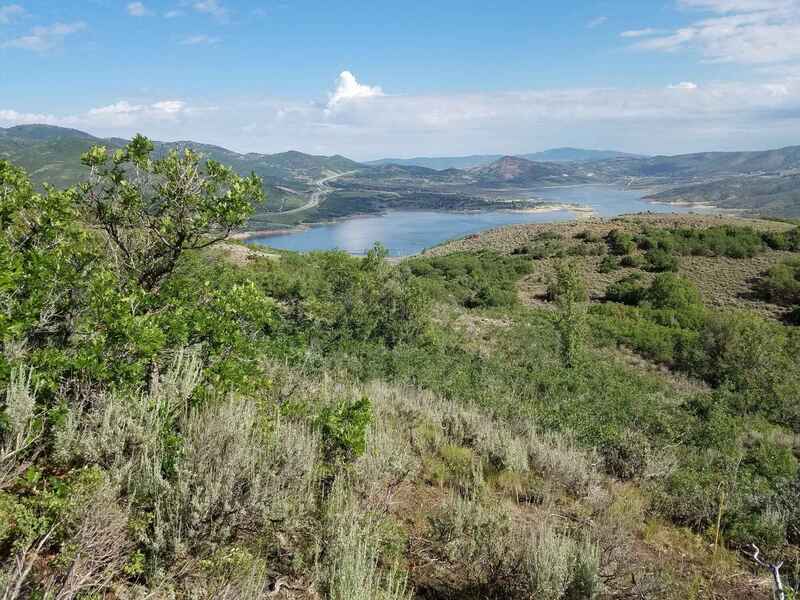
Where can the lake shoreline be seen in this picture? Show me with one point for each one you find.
(407, 232)
(546, 207)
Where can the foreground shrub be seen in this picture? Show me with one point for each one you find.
(353, 567)
(499, 559)
(151, 219)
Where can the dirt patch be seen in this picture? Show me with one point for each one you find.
(240, 255)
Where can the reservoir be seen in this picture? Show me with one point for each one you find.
(409, 232)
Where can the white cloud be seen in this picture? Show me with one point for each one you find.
(197, 40)
(348, 89)
(10, 13)
(728, 6)
(137, 9)
(12, 117)
(753, 32)
(638, 33)
(42, 39)
(124, 113)
(683, 85)
(364, 123)
(173, 14)
(169, 107)
(211, 7)
(596, 22)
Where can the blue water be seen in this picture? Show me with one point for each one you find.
(408, 232)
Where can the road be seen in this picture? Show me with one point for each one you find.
(317, 196)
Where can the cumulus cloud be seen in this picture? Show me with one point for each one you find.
(753, 32)
(349, 89)
(42, 39)
(10, 13)
(137, 9)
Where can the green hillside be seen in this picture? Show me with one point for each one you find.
(52, 154)
(595, 410)
(774, 196)
(755, 182)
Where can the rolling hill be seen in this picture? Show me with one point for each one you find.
(479, 160)
(766, 182)
(516, 171)
(52, 154)
(772, 196)
(709, 164)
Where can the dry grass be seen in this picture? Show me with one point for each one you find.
(723, 282)
(505, 239)
(241, 255)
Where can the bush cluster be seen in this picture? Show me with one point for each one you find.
(480, 280)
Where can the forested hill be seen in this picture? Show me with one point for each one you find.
(52, 154)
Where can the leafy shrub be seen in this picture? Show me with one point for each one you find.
(620, 243)
(568, 289)
(608, 265)
(151, 219)
(625, 456)
(566, 284)
(588, 236)
(633, 261)
(485, 279)
(672, 291)
(783, 240)
(724, 240)
(546, 248)
(781, 283)
(660, 260)
(588, 249)
(548, 235)
(344, 428)
(630, 290)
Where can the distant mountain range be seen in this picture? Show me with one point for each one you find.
(761, 181)
(480, 160)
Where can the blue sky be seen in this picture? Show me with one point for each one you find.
(370, 79)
